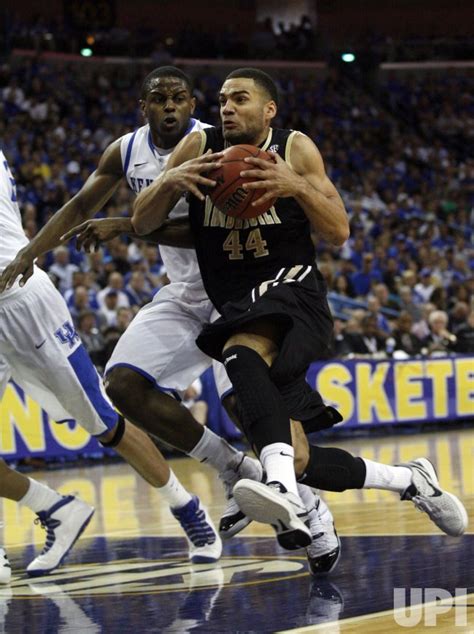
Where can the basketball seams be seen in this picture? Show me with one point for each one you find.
(229, 187)
(237, 178)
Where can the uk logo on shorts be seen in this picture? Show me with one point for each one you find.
(66, 334)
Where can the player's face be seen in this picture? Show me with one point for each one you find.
(246, 112)
(168, 107)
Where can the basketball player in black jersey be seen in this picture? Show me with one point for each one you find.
(264, 282)
(275, 320)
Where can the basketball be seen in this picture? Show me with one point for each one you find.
(228, 195)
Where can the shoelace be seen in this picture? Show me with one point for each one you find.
(196, 527)
(48, 524)
(423, 506)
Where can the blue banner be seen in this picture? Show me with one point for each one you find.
(367, 392)
(374, 392)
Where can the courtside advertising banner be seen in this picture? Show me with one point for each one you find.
(368, 393)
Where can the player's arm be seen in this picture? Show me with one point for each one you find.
(95, 192)
(184, 173)
(92, 233)
(304, 178)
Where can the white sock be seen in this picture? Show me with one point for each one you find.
(39, 497)
(383, 476)
(278, 461)
(215, 451)
(174, 492)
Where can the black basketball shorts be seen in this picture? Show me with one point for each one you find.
(299, 308)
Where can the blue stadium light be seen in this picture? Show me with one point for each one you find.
(86, 52)
(348, 57)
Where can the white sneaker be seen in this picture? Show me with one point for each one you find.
(64, 522)
(272, 504)
(205, 545)
(5, 568)
(443, 508)
(325, 549)
(233, 520)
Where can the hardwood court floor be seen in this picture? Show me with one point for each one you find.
(129, 571)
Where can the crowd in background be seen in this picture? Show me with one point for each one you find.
(402, 284)
(269, 39)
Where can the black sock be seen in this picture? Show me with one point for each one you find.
(264, 415)
(333, 469)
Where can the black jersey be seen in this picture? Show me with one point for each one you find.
(237, 255)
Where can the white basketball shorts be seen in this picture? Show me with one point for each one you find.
(44, 356)
(160, 342)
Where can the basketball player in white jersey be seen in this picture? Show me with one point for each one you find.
(41, 351)
(157, 358)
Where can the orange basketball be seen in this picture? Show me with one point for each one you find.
(228, 195)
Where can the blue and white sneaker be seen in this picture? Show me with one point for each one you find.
(63, 522)
(205, 545)
(5, 568)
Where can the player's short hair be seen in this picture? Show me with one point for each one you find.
(261, 78)
(164, 71)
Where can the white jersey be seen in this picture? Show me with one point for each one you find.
(142, 163)
(12, 236)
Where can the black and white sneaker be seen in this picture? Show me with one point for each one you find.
(5, 568)
(233, 520)
(272, 504)
(324, 551)
(443, 508)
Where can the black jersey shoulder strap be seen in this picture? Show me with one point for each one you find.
(213, 140)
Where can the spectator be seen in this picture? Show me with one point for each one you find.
(370, 342)
(115, 283)
(425, 287)
(124, 317)
(373, 308)
(62, 269)
(108, 309)
(91, 337)
(79, 302)
(363, 280)
(381, 292)
(408, 304)
(465, 335)
(340, 347)
(135, 290)
(404, 338)
(440, 339)
(458, 316)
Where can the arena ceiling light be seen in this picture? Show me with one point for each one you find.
(348, 57)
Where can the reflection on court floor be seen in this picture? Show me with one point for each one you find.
(130, 569)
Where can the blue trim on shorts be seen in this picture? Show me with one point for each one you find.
(150, 378)
(129, 153)
(90, 382)
(226, 393)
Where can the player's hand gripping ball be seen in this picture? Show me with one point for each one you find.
(228, 195)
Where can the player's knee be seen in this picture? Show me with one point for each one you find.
(121, 384)
(112, 437)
